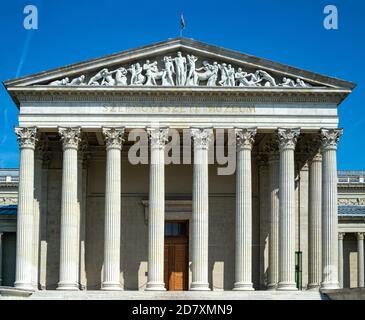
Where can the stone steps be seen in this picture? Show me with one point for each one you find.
(186, 295)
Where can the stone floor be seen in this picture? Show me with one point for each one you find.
(143, 295)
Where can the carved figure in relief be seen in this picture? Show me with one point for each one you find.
(152, 73)
(121, 77)
(180, 63)
(79, 81)
(94, 81)
(224, 75)
(62, 82)
(208, 75)
(301, 83)
(137, 77)
(192, 77)
(230, 74)
(167, 79)
(242, 78)
(262, 75)
(287, 82)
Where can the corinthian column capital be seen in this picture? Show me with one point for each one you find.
(202, 136)
(27, 137)
(158, 136)
(330, 138)
(113, 137)
(245, 137)
(70, 137)
(287, 137)
(360, 236)
(341, 235)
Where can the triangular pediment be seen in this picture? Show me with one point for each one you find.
(180, 62)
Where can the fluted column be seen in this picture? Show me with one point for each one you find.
(330, 139)
(243, 256)
(25, 214)
(114, 140)
(340, 258)
(202, 138)
(156, 217)
(69, 246)
(360, 259)
(287, 141)
(273, 276)
(315, 222)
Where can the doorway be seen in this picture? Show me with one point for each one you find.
(176, 255)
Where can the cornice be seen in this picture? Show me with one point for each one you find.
(233, 94)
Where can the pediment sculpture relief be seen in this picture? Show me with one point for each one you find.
(181, 71)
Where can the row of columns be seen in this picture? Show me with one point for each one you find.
(282, 235)
(360, 259)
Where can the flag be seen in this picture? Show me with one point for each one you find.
(182, 22)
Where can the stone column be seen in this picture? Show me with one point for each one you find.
(38, 170)
(360, 259)
(113, 140)
(243, 256)
(330, 139)
(156, 217)
(340, 258)
(24, 234)
(273, 271)
(1, 258)
(315, 222)
(287, 141)
(202, 138)
(69, 246)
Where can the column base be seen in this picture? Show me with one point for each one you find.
(243, 286)
(287, 286)
(111, 286)
(200, 286)
(24, 286)
(155, 286)
(67, 286)
(313, 286)
(329, 286)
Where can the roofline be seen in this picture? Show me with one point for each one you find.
(264, 63)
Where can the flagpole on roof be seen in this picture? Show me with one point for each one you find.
(182, 23)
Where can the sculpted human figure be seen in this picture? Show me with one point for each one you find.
(79, 81)
(94, 81)
(152, 73)
(242, 78)
(224, 75)
(192, 79)
(301, 83)
(62, 82)
(167, 79)
(121, 77)
(263, 75)
(287, 82)
(180, 63)
(230, 75)
(137, 77)
(212, 81)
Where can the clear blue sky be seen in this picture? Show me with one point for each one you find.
(286, 31)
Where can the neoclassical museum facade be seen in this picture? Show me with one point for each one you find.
(103, 204)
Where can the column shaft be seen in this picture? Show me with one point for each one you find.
(112, 230)
(1, 258)
(69, 246)
(330, 139)
(156, 216)
(24, 248)
(360, 260)
(200, 210)
(340, 258)
(274, 222)
(287, 141)
(315, 222)
(243, 260)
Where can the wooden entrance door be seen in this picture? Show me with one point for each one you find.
(176, 255)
